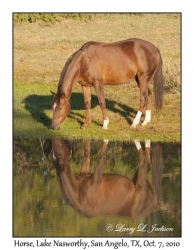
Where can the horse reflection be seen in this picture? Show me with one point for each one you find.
(94, 194)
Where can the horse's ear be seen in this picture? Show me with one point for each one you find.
(54, 94)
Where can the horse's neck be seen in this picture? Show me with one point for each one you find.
(69, 78)
(69, 186)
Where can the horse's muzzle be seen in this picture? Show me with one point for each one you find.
(55, 127)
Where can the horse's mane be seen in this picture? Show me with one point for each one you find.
(68, 63)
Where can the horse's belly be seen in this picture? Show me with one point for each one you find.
(113, 194)
(116, 77)
(118, 72)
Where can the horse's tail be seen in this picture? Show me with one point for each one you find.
(158, 85)
(157, 168)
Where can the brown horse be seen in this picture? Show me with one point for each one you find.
(104, 194)
(97, 64)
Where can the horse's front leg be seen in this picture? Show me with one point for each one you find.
(86, 163)
(100, 93)
(97, 176)
(87, 101)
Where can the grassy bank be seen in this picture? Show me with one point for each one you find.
(40, 52)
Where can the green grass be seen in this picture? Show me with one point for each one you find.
(40, 53)
(32, 115)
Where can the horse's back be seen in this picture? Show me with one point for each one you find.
(110, 63)
(131, 44)
(117, 62)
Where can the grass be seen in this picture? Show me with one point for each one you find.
(40, 52)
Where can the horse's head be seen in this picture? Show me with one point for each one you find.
(61, 108)
(59, 155)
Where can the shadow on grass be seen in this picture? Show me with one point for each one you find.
(38, 104)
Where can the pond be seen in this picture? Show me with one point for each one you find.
(70, 187)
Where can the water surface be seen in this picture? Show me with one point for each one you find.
(125, 188)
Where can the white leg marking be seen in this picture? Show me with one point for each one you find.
(147, 118)
(147, 143)
(106, 141)
(105, 123)
(137, 119)
(137, 144)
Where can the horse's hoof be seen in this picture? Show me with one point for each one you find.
(133, 126)
(104, 128)
(144, 123)
(84, 126)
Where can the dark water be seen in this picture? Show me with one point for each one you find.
(96, 188)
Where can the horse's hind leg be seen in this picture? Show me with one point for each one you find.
(147, 149)
(142, 166)
(87, 101)
(148, 109)
(145, 98)
(144, 160)
(143, 87)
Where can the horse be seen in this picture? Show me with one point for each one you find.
(97, 64)
(95, 194)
